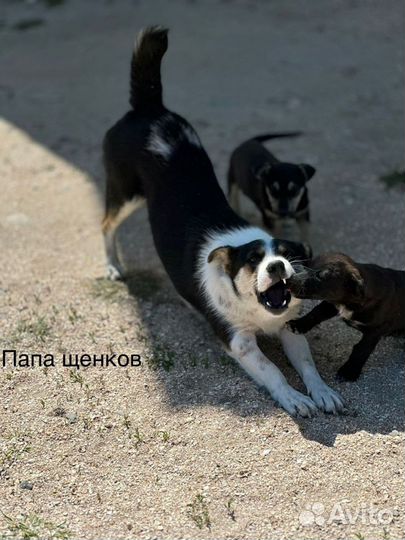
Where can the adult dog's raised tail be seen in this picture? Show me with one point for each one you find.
(146, 86)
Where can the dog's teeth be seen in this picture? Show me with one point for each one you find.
(284, 303)
(284, 281)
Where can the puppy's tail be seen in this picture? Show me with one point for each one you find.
(268, 136)
(146, 85)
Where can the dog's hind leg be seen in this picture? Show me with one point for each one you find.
(113, 218)
(122, 198)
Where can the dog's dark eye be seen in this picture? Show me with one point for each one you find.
(254, 258)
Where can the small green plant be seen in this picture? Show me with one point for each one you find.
(230, 509)
(73, 315)
(32, 526)
(193, 359)
(12, 448)
(77, 378)
(134, 434)
(198, 512)
(142, 337)
(87, 423)
(107, 290)
(359, 536)
(162, 358)
(38, 328)
(127, 421)
(136, 437)
(165, 435)
(226, 361)
(198, 360)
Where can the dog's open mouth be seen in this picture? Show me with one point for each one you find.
(277, 297)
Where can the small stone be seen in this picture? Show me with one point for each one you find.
(59, 411)
(26, 485)
(17, 219)
(266, 452)
(71, 417)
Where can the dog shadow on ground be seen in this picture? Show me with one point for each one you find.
(195, 371)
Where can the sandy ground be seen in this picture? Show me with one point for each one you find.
(185, 446)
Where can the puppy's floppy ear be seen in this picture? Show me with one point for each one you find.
(261, 172)
(222, 257)
(308, 171)
(307, 250)
(357, 283)
(293, 250)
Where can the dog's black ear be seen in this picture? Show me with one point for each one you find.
(222, 256)
(308, 171)
(261, 172)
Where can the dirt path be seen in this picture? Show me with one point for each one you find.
(185, 446)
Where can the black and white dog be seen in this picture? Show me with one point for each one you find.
(232, 273)
(278, 189)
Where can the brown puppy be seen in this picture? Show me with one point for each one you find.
(367, 297)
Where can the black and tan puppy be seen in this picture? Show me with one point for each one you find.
(367, 297)
(278, 189)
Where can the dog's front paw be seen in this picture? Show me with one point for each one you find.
(296, 403)
(348, 373)
(326, 399)
(113, 273)
(293, 326)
